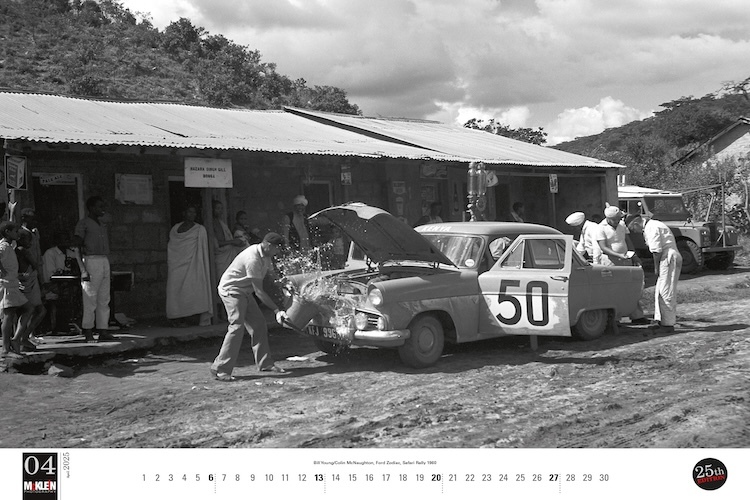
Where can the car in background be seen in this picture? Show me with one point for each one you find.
(457, 282)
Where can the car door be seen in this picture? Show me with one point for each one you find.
(526, 292)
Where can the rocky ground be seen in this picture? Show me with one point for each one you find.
(633, 389)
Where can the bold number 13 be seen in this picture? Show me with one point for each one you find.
(530, 286)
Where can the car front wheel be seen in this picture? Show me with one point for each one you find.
(591, 325)
(425, 344)
(692, 257)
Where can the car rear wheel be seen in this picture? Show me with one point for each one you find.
(330, 347)
(591, 325)
(425, 344)
(692, 257)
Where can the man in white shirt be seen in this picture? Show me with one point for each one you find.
(240, 284)
(587, 244)
(616, 250)
(667, 266)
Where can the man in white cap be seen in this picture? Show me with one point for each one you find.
(667, 266)
(616, 248)
(587, 244)
(295, 227)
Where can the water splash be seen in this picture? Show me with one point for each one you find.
(316, 288)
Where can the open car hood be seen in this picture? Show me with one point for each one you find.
(380, 235)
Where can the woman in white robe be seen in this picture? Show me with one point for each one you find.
(188, 273)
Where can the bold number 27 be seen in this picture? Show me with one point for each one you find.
(530, 286)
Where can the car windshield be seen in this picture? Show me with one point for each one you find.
(462, 250)
(667, 207)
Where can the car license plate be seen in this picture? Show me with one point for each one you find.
(327, 332)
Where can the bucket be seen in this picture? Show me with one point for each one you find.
(300, 313)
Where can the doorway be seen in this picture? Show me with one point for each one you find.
(318, 194)
(58, 204)
(180, 197)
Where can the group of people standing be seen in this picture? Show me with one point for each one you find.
(188, 256)
(25, 273)
(607, 242)
(434, 216)
(243, 260)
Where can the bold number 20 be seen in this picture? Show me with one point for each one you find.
(530, 286)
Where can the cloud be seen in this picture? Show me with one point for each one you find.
(427, 58)
(585, 121)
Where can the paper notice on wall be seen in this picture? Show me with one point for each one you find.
(134, 189)
(208, 173)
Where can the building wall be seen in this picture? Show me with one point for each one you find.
(138, 233)
(735, 144)
(264, 185)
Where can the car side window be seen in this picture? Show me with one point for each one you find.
(545, 254)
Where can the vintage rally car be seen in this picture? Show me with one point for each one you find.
(416, 289)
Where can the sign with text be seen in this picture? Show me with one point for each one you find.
(208, 173)
(15, 172)
(57, 180)
(553, 186)
(40, 476)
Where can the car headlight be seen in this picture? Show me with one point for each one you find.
(375, 297)
(705, 238)
(360, 320)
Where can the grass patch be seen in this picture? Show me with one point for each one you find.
(732, 292)
(736, 291)
(741, 285)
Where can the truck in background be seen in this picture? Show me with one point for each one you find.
(701, 243)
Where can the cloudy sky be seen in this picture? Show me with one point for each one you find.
(573, 67)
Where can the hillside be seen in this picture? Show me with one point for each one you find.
(681, 126)
(653, 149)
(98, 49)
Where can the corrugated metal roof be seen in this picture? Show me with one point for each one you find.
(57, 119)
(455, 140)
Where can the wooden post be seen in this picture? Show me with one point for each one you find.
(208, 220)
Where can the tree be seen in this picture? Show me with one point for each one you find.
(331, 99)
(98, 48)
(739, 88)
(182, 36)
(538, 136)
(689, 122)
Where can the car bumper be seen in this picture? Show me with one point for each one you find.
(380, 338)
(368, 338)
(733, 248)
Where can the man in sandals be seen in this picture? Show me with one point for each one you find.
(238, 287)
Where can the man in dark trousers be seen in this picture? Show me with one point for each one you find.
(240, 284)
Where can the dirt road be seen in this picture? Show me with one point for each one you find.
(687, 389)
